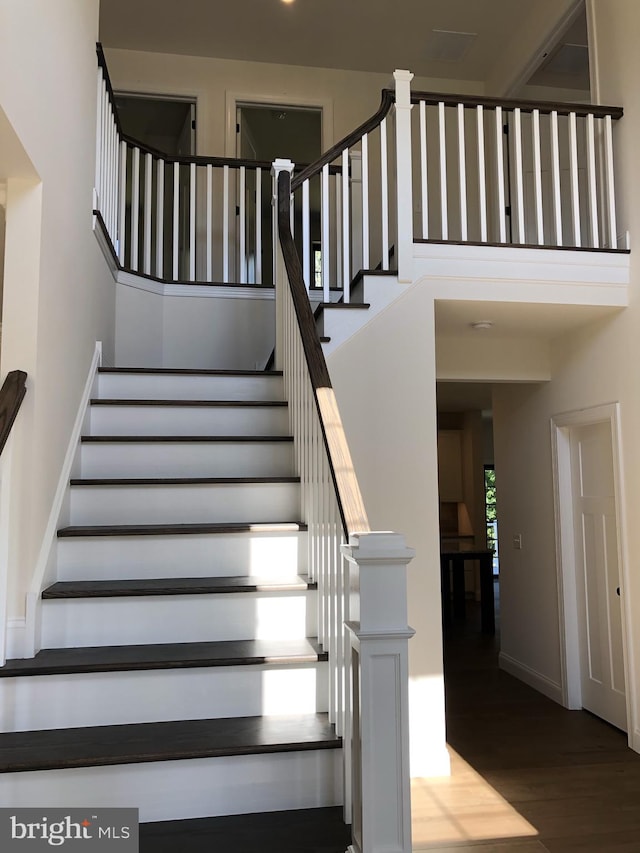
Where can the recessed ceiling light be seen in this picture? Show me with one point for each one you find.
(480, 325)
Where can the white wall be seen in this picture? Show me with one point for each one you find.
(591, 367)
(58, 292)
(193, 332)
(384, 378)
(349, 97)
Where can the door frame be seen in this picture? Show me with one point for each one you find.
(239, 99)
(561, 428)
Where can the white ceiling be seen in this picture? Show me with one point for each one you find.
(515, 320)
(361, 35)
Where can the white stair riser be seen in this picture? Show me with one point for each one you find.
(189, 555)
(175, 790)
(67, 623)
(156, 386)
(188, 420)
(184, 459)
(182, 504)
(113, 698)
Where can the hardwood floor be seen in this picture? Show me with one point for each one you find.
(527, 775)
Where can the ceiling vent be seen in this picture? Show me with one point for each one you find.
(448, 46)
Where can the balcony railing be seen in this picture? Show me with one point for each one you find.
(425, 167)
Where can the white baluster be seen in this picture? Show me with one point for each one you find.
(242, 225)
(575, 189)
(225, 224)
(176, 220)
(424, 187)
(122, 227)
(444, 212)
(384, 193)
(306, 236)
(517, 143)
(502, 226)
(593, 190)
(113, 182)
(258, 226)
(160, 219)
(609, 173)
(482, 174)
(135, 207)
(325, 234)
(209, 222)
(98, 178)
(365, 202)
(537, 174)
(346, 247)
(148, 187)
(462, 172)
(555, 178)
(192, 222)
(338, 200)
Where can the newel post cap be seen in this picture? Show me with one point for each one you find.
(403, 87)
(281, 165)
(378, 547)
(378, 581)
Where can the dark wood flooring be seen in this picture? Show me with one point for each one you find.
(528, 775)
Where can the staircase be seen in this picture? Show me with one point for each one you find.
(179, 672)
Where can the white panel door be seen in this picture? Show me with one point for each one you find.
(597, 574)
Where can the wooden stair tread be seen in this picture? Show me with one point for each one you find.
(123, 401)
(322, 306)
(173, 586)
(165, 656)
(319, 830)
(186, 371)
(195, 439)
(181, 481)
(179, 529)
(93, 746)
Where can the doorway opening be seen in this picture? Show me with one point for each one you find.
(166, 125)
(265, 132)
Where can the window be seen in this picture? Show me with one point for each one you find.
(491, 513)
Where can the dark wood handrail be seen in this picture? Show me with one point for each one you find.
(203, 160)
(351, 506)
(510, 104)
(388, 97)
(11, 396)
(102, 62)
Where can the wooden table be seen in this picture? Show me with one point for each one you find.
(452, 566)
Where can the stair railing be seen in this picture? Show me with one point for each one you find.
(361, 575)
(173, 218)
(355, 228)
(491, 170)
(12, 394)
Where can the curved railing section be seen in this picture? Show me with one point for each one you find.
(12, 394)
(499, 171)
(345, 225)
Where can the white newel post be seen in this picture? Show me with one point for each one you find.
(404, 189)
(355, 161)
(278, 264)
(379, 637)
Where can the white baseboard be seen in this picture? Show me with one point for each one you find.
(16, 638)
(634, 740)
(46, 566)
(530, 676)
